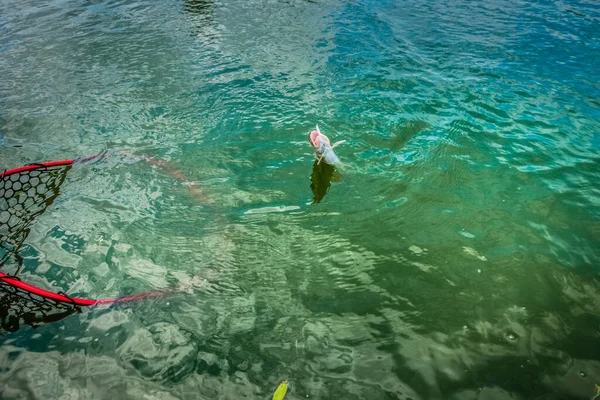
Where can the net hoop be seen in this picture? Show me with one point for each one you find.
(30, 167)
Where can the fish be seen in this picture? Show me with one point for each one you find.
(323, 148)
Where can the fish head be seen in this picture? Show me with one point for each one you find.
(317, 139)
(323, 147)
(319, 142)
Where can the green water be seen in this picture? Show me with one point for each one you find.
(454, 255)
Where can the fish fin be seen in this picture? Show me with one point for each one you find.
(336, 176)
(338, 143)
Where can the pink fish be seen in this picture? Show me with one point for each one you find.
(323, 148)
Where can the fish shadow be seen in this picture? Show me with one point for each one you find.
(322, 176)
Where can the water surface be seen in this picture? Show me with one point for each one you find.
(454, 255)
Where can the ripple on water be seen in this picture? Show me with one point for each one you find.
(453, 256)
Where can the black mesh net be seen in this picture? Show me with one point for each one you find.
(23, 196)
(18, 306)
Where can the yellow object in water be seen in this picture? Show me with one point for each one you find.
(597, 392)
(281, 391)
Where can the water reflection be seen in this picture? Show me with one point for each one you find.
(200, 13)
(321, 177)
(200, 7)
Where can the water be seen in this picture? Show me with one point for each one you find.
(454, 255)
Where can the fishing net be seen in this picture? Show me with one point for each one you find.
(19, 306)
(25, 193)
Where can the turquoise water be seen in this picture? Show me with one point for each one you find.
(454, 255)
